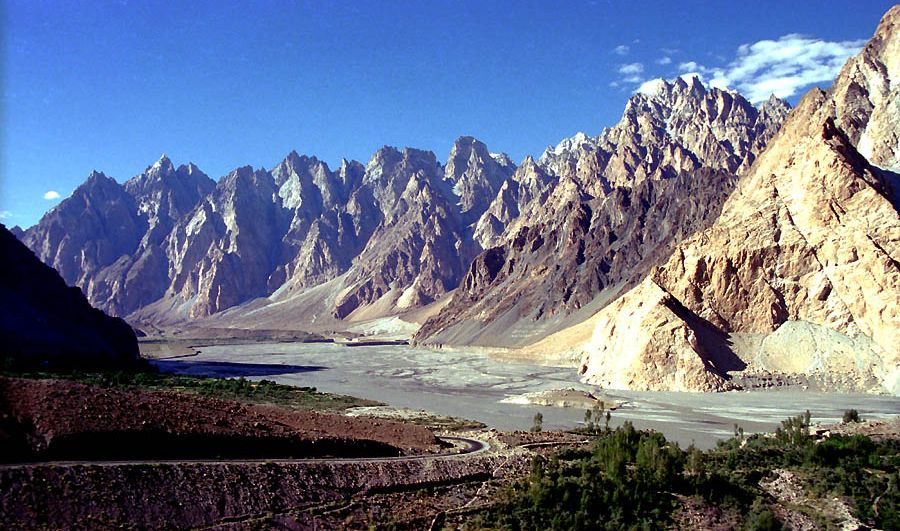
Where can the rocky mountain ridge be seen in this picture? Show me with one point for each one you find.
(398, 234)
(695, 238)
(172, 245)
(587, 220)
(799, 274)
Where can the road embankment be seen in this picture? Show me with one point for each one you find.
(207, 494)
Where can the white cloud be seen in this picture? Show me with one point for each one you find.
(664, 60)
(783, 67)
(631, 68)
(621, 49)
(6, 214)
(631, 72)
(51, 195)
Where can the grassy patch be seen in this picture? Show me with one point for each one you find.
(237, 389)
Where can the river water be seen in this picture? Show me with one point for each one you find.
(472, 386)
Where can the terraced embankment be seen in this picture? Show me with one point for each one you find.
(199, 494)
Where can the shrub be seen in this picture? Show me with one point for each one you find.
(538, 422)
(761, 517)
(851, 415)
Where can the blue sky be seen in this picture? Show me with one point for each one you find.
(112, 85)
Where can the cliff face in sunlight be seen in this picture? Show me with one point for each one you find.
(803, 259)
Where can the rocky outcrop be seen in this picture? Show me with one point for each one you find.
(647, 340)
(476, 176)
(810, 238)
(594, 246)
(90, 231)
(46, 323)
(224, 250)
(419, 251)
(332, 220)
(519, 197)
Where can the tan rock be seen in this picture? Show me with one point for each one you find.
(810, 235)
(643, 342)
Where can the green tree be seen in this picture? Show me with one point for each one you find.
(538, 422)
(851, 415)
(761, 517)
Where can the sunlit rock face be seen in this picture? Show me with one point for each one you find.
(700, 215)
(173, 245)
(595, 213)
(803, 258)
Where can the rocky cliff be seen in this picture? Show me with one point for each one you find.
(595, 248)
(303, 243)
(173, 246)
(570, 232)
(696, 237)
(46, 323)
(801, 270)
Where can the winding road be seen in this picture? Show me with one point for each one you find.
(472, 447)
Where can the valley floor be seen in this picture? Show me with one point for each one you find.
(476, 386)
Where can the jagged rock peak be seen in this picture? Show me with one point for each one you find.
(667, 128)
(504, 160)
(693, 125)
(164, 164)
(685, 85)
(391, 154)
(390, 168)
(17, 231)
(774, 102)
(866, 96)
(190, 169)
(294, 159)
(162, 177)
(96, 181)
(243, 174)
(475, 175)
(577, 141)
(692, 86)
(96, 176)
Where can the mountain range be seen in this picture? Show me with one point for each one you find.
(699, 236)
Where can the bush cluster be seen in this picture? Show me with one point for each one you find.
(632, 479)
